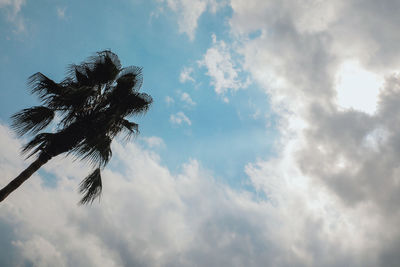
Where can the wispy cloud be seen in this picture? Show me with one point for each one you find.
(61, 12)
(185, 98)
(12, 9)
(186, 75)
(179, 118)
(189, 12)
(169, 100)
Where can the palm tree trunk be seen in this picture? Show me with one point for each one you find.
(14, 184)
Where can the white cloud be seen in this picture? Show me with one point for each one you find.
(185, 97)
(332, 191)
(221, 68)
(169, 100)
(13, 8)
(40, 252)
(153, 141)
(352, 82)
(189, 12)
(185, 75)
(338, 119)
(14, 4)
(149, 216)
(61, 12)
(179, 118)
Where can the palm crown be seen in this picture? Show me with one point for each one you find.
(91, 105)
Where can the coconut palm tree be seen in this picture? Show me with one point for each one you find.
(91, 105)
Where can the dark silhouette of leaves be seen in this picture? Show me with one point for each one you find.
(32, 120)
(92, 104)
(91, 187)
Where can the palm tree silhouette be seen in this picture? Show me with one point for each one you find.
(90, 105)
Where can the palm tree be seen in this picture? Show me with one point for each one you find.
(90, 105)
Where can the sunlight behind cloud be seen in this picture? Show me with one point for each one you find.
(357, 88)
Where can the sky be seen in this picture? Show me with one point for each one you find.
(272, 139)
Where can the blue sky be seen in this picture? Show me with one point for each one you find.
(58, 34)
(272, 140)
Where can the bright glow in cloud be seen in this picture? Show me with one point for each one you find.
(357, 88)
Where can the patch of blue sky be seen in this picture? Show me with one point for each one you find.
(223, 137)
(6, 242)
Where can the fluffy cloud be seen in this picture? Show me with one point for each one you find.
(153, 141)
(189, 11)
(328, 198)
(221, 68)
(148, 216)
(296, 51)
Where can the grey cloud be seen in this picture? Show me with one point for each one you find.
(368, 30)
(149, 217)
(338, 137)
(332, 195)
(353, 155)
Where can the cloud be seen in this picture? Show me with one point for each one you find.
(185, 75)
(189, 12)
(154, 141)
(61, 12)
(151, 217)
(12, 9)
(351, 82)
(339, 135)
(221, 68)
(329, 197)
(15, 5)
(185, 97)
(169, 100)
(179, 118)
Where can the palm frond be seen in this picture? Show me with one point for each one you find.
(32, 120)
(106, 67)
(106, 57)
(130, 128)
(43, 86)
(73, 98)
(127, 127)
(96, 149)
(92, 102)
(80, 73)
(137, 103)
(38, 144)
(130, 78)
(91, 187)
(102, 68)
